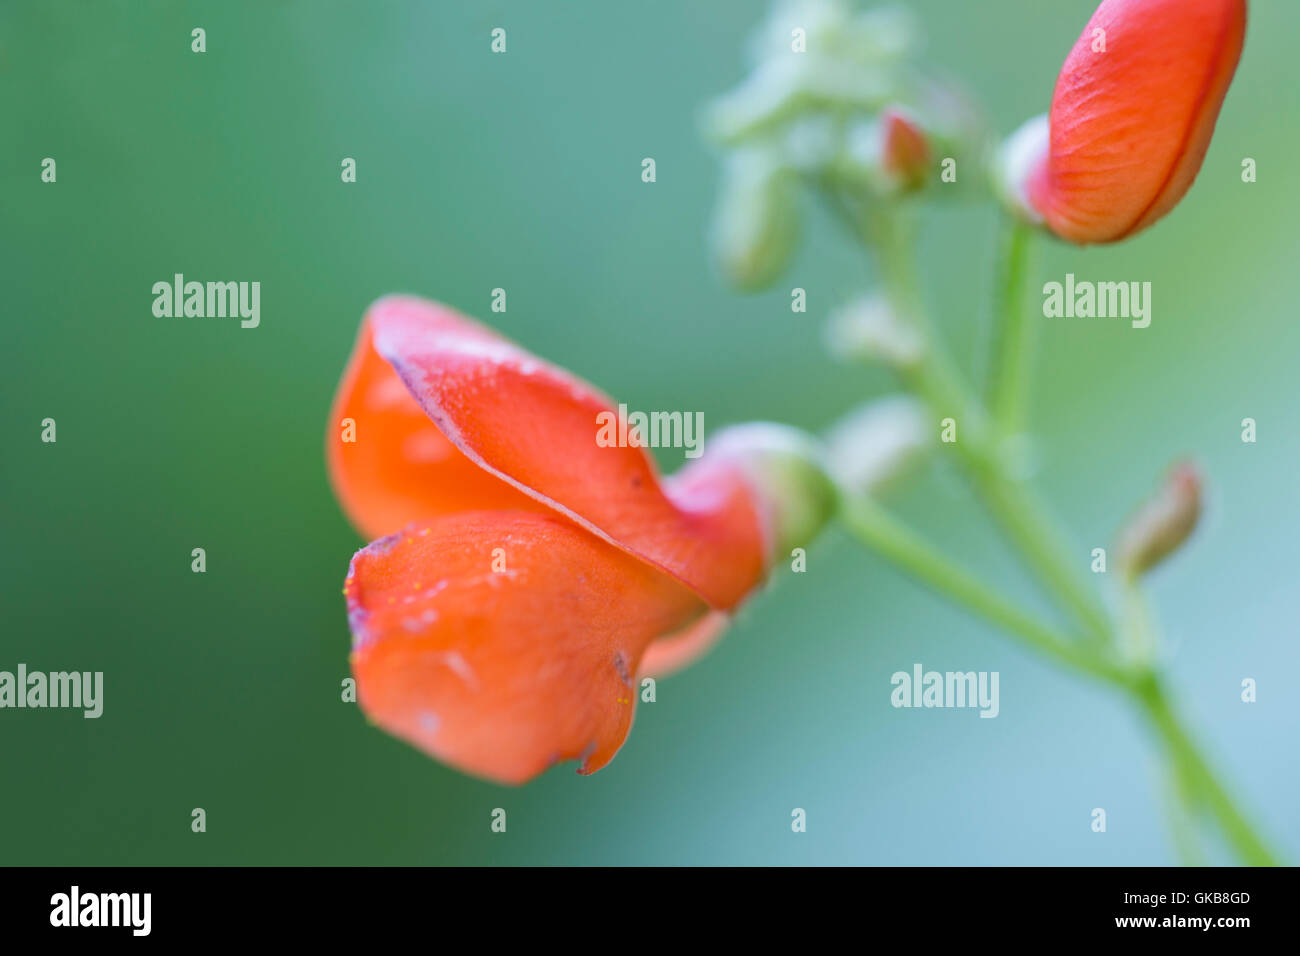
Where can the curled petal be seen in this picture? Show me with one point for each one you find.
(1133, 112)
(535, 427)
(388, 463)
(503, 642)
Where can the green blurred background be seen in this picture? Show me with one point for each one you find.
(523, 171)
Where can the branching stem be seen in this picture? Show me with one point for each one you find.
(1030, 527)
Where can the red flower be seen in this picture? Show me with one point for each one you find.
(1133, 112)
(527, 575)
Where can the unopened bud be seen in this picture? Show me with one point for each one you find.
(757, 221)
(787, 469)
(1131, 127)
(869, 329)
(811, 144)
(904, 149)
(1162, 524)
(890, 153)
(884, 33)
(877, 443)
(765, 101)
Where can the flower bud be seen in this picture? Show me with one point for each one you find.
(1132, 115)
(891, 152)
(874, 445)
(767, 99)
(1162, 524)
(811, 144)
(904, 148)
(787, 469)
(815, 56)
(832, 29)
(757, 221)
(868, 329)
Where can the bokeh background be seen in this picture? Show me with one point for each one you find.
(523, 171)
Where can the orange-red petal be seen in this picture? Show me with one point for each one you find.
(502, 642)
(1130, 125)
(388, 462)
(534, 426)
(672, 652)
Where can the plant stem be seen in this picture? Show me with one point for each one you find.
(1193, 769)
(875, 527)
(1029, 524)
(1035, 531)
(1013, 505)
(1181, 804)
(1013, 346)
(1137, 633)
(1192, 779)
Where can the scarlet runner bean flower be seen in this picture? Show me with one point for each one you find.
(1132, 115)
(524, 576)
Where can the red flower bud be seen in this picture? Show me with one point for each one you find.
(905, 148)
(1132, 115)
(1163, 523)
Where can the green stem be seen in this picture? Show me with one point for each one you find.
(1181, 803)
(1137, 636)
(1013, 505)
(1013, 346)
(1030, 526)
(1194, 782)
(1198, 777)
(1035, 530)
(876, 528)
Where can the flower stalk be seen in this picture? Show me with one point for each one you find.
(1011, 502)
(874, 526)
(1196, 775)
(861, 122)
(1127, 664)
(1014, 345)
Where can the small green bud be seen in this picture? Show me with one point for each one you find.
(756, 225)
(787, 469)
(868, 329)
(1163, 523)
(876, 444)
